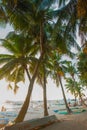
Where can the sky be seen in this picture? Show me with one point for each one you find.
(53, 92)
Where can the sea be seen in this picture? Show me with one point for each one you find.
(13, 108)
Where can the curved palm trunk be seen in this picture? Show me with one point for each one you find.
(67, 107)
(42, 37)
(42, 52)
(75, 100)
(25, 106)
(45, 96)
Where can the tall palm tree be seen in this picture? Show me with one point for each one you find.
(41, 79)
(75, 86)
(57, 74)
(76, 89)
(22, 52)
(72, 72)
(70, 86)
(27, 16)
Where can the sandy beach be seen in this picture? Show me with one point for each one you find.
(65, 122)
(70, 122)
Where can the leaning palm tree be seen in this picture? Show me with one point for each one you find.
(79, 90)
(57, 74)
(76, 89)
(43, 72)
(15, 63)
(27, 16)
(70, 86)
(41, 79)
(72, 71)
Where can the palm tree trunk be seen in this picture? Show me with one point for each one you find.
(42, 37)
(25, 106)
(45, 95)
(42, 53)
(75, 99)
(67, 107)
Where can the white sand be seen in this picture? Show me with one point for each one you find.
(70, 122)
(67, 122)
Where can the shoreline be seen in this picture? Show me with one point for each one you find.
(67, 122)
(37, 112)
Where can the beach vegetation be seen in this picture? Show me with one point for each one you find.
(57, 74)
(42, 34)
(14, 64)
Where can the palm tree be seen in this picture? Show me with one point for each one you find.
(71, 87)
(76, 89)
(75, 86)
(29, 16)
(58, 73)
(26, 16)
(71, 70)
(41, 79)
(17, 61)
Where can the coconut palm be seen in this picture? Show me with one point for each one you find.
(79, 89)
(43, 72)
(72, 82)
(76, 89)
(72, 72)
(41, 79)
(29, 16)
(71, 69)
(26, 16)
(16, 63)
(58, 73)
(71, 87)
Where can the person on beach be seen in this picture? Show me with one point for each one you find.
(3, 108)
(69, 104)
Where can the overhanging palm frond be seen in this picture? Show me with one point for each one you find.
(17, 75)
(9, 87)
(8, 45)
(19, 44)
(67, 17)
(16, 87)
(5, 58)
(7, 68)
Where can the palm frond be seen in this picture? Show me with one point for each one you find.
(6, 69)
(17, 75)
(9, 87)
(16, 87)
(5, 58)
